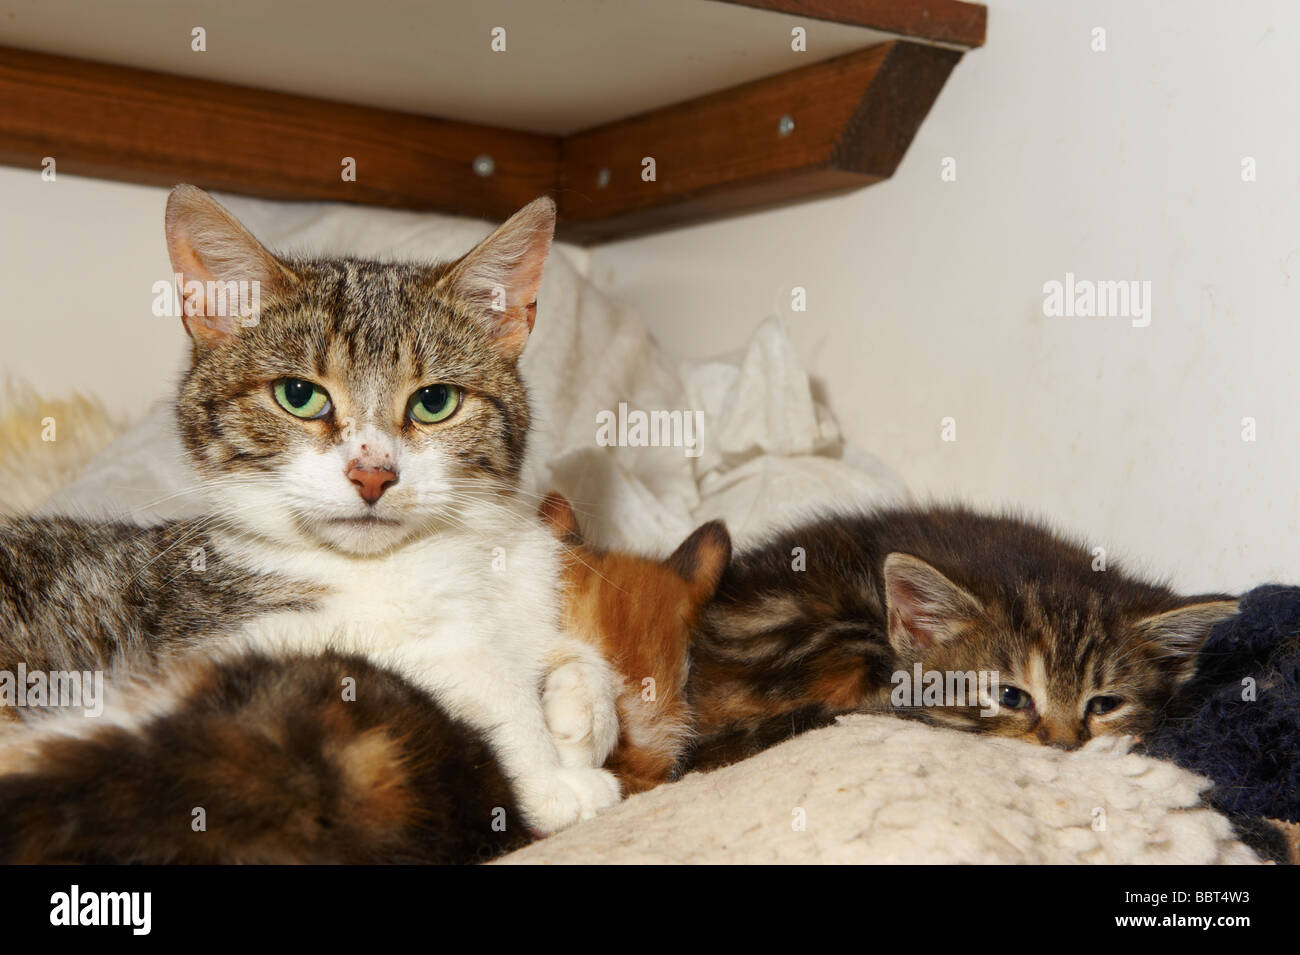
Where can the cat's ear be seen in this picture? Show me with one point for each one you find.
(702, 558)
(1180, 634)
(498, 278)
(224, 271)
(924, 607)
(557, 514)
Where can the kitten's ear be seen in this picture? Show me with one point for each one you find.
(924, 607)
(1181, 633)
(209, 245)
(498, 278)
(703, 558)
(557, 514)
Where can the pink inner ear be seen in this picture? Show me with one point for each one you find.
(201, 317)
(522, 282)
(500, 276)
(908, 612)
(923, 603)
(224, 271)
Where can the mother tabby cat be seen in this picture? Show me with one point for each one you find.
(360, 440)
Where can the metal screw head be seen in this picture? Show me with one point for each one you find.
(785, 125)
(483, 165)
(602, 178)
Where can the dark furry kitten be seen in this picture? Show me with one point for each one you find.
(255, 758)
(835, 617)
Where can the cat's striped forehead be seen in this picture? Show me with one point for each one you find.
(370, 323)
(1074, 641)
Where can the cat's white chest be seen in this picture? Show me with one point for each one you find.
(400, 598)
(430, 604)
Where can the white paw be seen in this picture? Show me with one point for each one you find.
(579, 703)
(567, 796)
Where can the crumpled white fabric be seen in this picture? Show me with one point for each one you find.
(768, 453)
(774, 455)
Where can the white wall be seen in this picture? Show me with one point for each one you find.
(78, 259)
(925, 297)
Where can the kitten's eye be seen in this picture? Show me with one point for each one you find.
(1103, 704)
(301, 398)
(434, 403)
(1014, 698)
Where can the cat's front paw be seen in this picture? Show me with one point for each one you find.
(568, 796)
(579, 703)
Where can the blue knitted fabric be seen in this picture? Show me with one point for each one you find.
(1250, 749)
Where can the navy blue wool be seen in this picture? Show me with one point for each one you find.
(1250, 749)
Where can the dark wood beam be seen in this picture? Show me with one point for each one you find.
(832, 126)
(941, 21)
(835, 125)
(139, 126)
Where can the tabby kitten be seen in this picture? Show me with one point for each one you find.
(835, 616)
(639, 613)
(257, 758)
(359, 438)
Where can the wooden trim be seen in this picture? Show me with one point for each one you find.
(135, 125)
(853, 118)
(715, 155)
(940, 21)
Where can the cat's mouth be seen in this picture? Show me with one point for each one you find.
(360, 534)
(366, 520)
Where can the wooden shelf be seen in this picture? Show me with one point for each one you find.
(834, 125)
(824, 128)
(939, 21)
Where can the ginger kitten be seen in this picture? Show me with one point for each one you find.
(639, 613)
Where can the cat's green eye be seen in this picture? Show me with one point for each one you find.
(1014, 698)
(1100, 705)
(434, 403)
(302, 399)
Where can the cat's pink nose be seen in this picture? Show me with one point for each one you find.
(372, 482)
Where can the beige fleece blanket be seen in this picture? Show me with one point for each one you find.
(875, 789)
